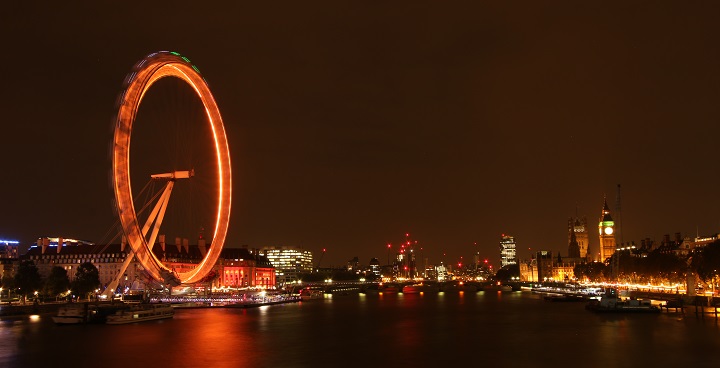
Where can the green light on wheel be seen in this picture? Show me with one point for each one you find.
(186, 59)
(196, 69)
(175, 53)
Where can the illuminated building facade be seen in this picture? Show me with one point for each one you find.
(8, 256)
(374, 266)
(606, 229)
(441, 272)
(688, 244)
(244, 269)
(69, 254)
(9, 249)
(289, 262)
(529, 270)
(239, 268)
(544, 266)
(508, 252)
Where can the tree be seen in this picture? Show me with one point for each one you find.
(506, 273)
(57, 282)
(27, 278)
(706, 262)
(87, 279)
(593, 271)
(7, 283)
(659, 266)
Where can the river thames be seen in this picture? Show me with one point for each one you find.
(509, 329)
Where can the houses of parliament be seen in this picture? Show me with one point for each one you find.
(545, 266)
(578, 237)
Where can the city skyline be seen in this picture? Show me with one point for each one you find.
(351, 125)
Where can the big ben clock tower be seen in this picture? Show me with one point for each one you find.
(606, 227)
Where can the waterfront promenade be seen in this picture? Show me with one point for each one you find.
(18, 309)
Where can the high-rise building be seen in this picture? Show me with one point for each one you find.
(577, 231)
(289, 262)
(606, 228)
(507, 251)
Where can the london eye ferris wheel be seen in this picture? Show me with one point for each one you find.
(142, 232)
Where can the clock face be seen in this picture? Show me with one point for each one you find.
(608, 230)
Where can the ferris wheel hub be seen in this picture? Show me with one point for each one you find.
(175, 175)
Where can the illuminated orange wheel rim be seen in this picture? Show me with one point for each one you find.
(146, 72)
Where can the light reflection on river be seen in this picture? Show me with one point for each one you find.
(498, 329)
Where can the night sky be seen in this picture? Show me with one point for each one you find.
(353, 123)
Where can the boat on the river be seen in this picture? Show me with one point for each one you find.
(420, 288)
(497, 287)
(565, 298)
(309, 294)
(389, 289)
(612, 302)
(77, 313)
(70, 315)
(141, 313)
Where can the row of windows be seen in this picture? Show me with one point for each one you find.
(80, 260)
(76, 256)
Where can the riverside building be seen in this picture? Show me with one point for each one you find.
(508, 252)
(289, 262)
(236, 267)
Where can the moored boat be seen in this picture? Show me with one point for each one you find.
(565, 298)
(497, 287)
(70, 315)
(309, 294)
(611, 302)
(420, 288)
(388, 288)
(140, 313)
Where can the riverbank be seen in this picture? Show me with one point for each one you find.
(16, 310)
(228, 302)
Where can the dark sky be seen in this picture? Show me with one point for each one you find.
(352, 123)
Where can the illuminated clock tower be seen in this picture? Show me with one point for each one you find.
(606, 227)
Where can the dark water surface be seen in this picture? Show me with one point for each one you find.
(517, 329)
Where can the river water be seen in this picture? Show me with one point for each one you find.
(509, 329)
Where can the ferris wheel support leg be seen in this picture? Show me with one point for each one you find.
(158, 206)
(162, 204)
(156, 216)
(110, 289)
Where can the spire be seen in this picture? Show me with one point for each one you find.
(605, 216)
(573, 247)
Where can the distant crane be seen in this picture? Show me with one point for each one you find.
(317, 266)
(618, 214)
